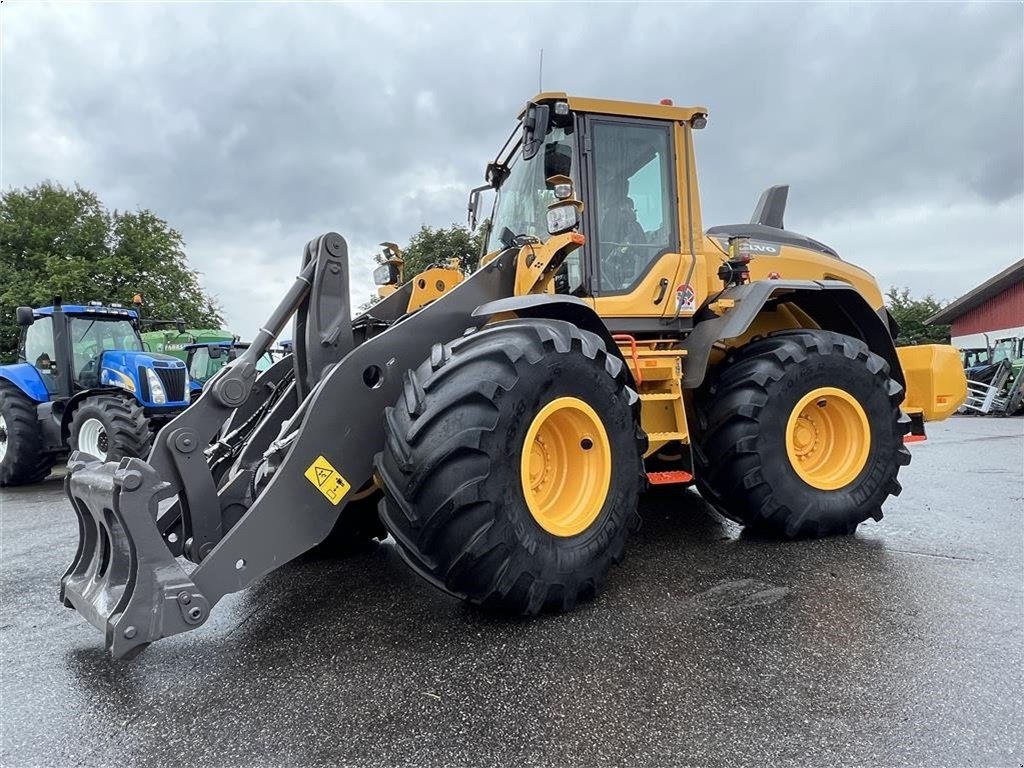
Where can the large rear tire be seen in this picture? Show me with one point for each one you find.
(111, 428)
(801, 434)
(22, 460)
(512, 466)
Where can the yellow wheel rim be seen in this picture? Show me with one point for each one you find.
(566, 466)
(828, 438)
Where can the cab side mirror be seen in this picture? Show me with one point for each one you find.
(535, 128)
(25, 316)
(215, 352)
(180, 326)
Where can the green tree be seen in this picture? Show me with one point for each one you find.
(436, 246)
(56, 241)
(432, 246)
(910, 314)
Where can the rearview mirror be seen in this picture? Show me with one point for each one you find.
(180, 325)
(25, 316)
(535, 128)
(474, 201)
(215, 352)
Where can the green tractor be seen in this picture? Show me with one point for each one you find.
(175, 340)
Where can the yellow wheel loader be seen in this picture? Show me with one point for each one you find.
(503, 424)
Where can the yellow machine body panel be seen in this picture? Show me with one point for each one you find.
(432, 284)
(794, 263)
(936, 382)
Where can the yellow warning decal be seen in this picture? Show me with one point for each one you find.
(327, 480)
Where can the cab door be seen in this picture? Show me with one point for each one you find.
(633, 253)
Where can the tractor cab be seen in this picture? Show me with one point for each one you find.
(204, 359)
(75, 348)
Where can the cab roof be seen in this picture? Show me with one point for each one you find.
(88, 309)
(619, 108)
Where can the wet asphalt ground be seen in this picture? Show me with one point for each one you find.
(901, 645)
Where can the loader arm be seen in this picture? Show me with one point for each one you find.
(268, 509)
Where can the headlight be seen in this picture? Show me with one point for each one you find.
(562, 217)
(156, 389)
(386, 274)
(188, 383)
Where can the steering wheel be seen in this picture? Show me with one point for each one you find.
(89, 375)
(620, 265)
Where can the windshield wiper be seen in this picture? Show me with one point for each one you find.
(86, 331)
(510, 239)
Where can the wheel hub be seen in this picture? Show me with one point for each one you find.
(805, 437)
(566, 466)
(828, 438)
(93, 439)
(541, 463)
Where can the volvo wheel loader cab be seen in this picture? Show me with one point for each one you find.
(504, 423)
(82, 383)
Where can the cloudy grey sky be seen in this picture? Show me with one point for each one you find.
(254, 127)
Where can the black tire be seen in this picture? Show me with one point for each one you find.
(127, 429)
(450, 468)
(24, 461)
(740, 454)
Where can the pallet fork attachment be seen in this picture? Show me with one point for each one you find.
(227, 486)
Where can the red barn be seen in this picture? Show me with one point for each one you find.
(991, 312)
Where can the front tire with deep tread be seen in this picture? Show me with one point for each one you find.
(740, 453)
(124, 421)
(450, 469)
(24, 461)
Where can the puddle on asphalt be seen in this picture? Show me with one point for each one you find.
(740, 594)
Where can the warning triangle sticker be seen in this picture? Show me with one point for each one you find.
(326, 479)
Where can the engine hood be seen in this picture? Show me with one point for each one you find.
(122, 359)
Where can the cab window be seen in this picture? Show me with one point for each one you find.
(635, 200)
(199, 365)
(92, 336)
(40, 352)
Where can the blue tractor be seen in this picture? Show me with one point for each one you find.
(82, 382)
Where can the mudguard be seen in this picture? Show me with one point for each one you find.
(27, 378)
(554, 307)
(832, 304)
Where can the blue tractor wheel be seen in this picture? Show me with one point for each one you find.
(22, 459)
(111, 427)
